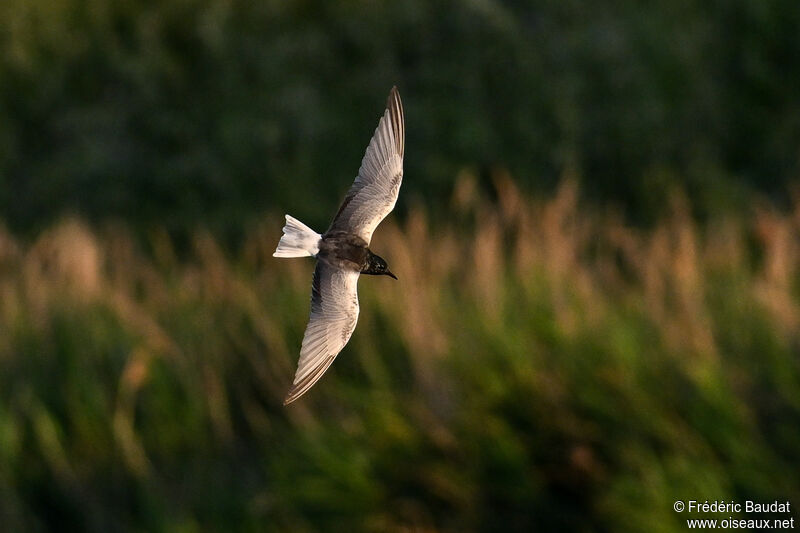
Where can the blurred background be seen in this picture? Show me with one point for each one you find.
(597, 241)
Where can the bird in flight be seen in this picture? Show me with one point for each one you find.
(343, 252)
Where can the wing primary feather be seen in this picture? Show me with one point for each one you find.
(301, 387)
(395, 105)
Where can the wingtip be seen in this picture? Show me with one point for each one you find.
(291, 396)
(296, 391)
(394, 106)
(394, 94)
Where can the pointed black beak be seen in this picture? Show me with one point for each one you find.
(390, 274)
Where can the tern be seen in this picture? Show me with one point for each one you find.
(343, 252)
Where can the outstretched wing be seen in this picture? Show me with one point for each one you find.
(334, 313)
(374, 192)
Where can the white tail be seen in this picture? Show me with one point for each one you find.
(298, 240)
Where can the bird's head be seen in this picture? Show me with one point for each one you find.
(376, 266)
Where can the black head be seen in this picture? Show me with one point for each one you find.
(376, 265)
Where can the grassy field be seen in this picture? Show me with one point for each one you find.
(536, 364)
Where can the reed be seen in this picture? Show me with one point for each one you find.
(538, 363)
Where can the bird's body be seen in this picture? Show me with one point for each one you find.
(346, 251)
(343, 251)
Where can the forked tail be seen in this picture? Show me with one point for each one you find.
(298, 240)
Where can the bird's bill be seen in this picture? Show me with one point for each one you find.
(388, 273)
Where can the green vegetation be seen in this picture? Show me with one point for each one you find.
(208, 112)
(538, 365)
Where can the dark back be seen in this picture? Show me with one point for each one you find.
(344, 250)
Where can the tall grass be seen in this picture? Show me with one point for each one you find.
(537, 364)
